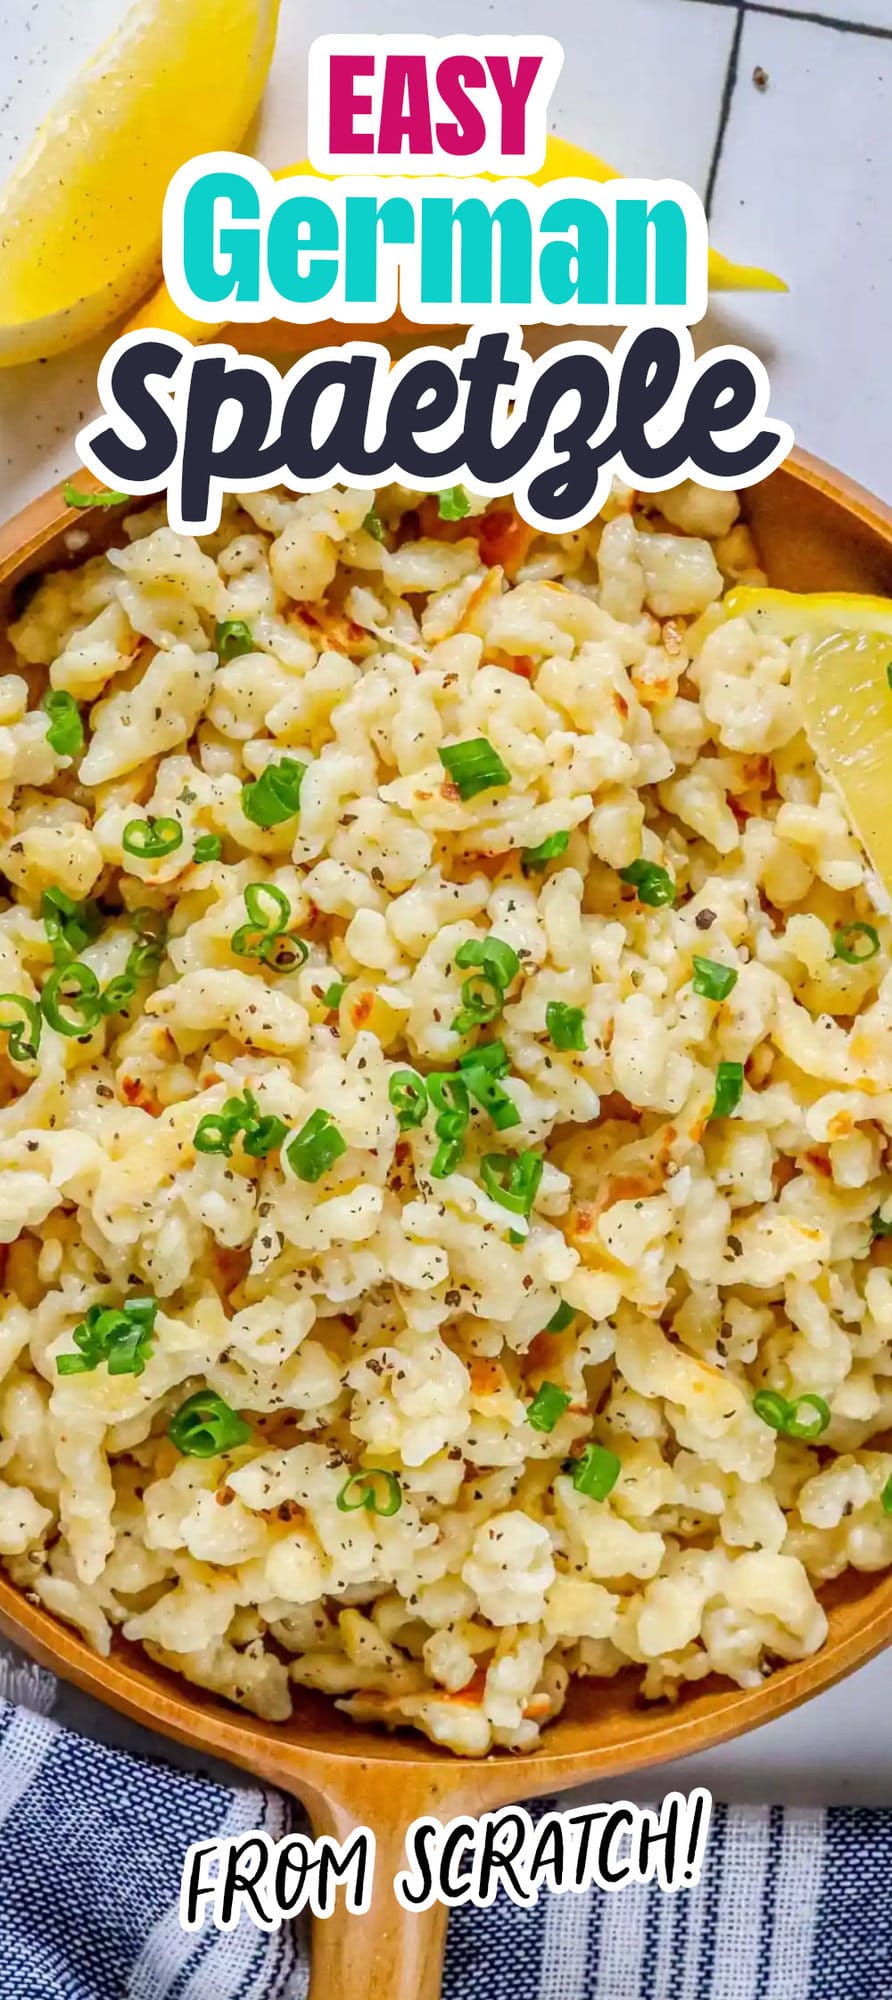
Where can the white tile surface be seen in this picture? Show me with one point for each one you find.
(868, 13)
(803, 187)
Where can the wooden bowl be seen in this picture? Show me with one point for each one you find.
(815, 530)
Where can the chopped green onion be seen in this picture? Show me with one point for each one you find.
(534, 859)
(204, 1426)
(498, 960)
(251, 939)
(483, 997)
(274, 797)
(886, 1495)
(512, 1179)
(69, 925)
(653, 884)
(712, 980)
(263, 1136)
(561, 1319)
(784, 1416)
(453, 504)
(361, 1490)
(487, 1091)
(232, 637)
(118, 1335)
(315, 1147)
(76, 987)
(65, 734)
(214, 1134)
(595, 1472)
(449, 1097)
(23, 1032)
(728, 1089)
(373, 524)
(334, 994)
(847, 951)
(879, 1227)
(565, 1025)
(474, 766)
(208, 847)
(548, 1404)
(73, 498)
(772, 1408)
(487, 1055)
(408, 1096)
(483, 1000)
(150, 839)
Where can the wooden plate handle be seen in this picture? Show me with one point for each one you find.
(388, 1953)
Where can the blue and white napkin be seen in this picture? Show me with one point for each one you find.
(792, 1904)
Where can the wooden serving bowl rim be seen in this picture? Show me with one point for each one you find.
(606, 1729)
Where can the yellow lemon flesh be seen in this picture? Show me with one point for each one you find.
(840, 678)
(80, 220)
(562, 161)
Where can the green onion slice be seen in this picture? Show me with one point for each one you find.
(208, 847)
(474, 766)
(151, 839)
(204, 1426)
(653, 884)
(566, 1025)
(214, 1134)
(498, 960)
(561, 1319)
(487, 1091)
(264, 1135)
(878, 1227)
(595, 1472)
(379, 1492)
(373, 524)
(274, 797)
(453, 504)
(785, 1416)
(847, 943)
(65, 734)
(712, 980)
(315, 1147)
(886, 1495)
(73, 498)
(120, 1336)
(408, 1095)
(548, 1404)
(492, 1056)
(728, 1089)
(232, 637)
(512, 1179)
(69, 925)
(76, 988)
(534, 859)
(21, 1027)
(261, 1133)
(334, 994)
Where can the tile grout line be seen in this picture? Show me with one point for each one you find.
(724, 108)
(815, 20)
(842, 27)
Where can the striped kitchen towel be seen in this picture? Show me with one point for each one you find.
(792, 1905)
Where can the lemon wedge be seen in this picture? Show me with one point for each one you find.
(80, 220)
(840, 679)
(562, 160)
